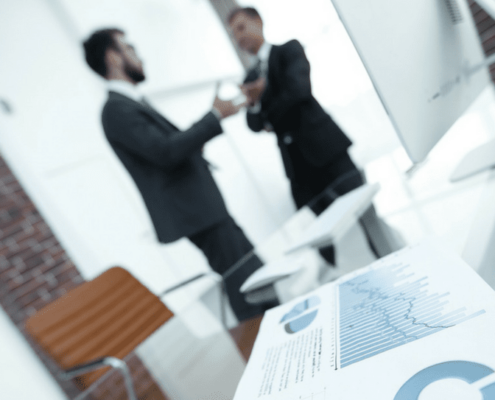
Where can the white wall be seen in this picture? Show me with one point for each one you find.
(55, 144)
(21, 365)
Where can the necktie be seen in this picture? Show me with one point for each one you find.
(261, 68)
(257, 69)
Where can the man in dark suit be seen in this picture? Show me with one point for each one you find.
(167, 166)
(312, 146)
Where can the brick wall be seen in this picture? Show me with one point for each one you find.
(486, 30)
(35, 270)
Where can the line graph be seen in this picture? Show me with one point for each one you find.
(388, 307)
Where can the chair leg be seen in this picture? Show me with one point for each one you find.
(383, 240)
(124, 369)
(113, 362)
(223, 296)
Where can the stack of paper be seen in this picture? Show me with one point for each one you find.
(417, 324)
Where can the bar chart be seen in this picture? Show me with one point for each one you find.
(389, 307)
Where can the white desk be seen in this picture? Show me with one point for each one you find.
(272, 272)
(330, 226)
(337, 219)
(428, 203)
(479, 250)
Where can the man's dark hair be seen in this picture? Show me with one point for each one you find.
(96, 46)
(249, 11)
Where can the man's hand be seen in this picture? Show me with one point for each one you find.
(226, 108)
(254, 90)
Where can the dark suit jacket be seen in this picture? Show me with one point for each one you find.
(167, 166)
(289, 106)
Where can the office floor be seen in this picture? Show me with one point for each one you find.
(244, 335)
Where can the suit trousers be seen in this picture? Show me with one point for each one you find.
(318, 187)
(224, 245)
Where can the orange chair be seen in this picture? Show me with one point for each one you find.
(94, 326)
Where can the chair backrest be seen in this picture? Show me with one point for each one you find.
(108, 316)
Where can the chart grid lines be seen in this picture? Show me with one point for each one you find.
(389, 307)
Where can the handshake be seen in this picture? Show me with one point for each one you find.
(251, 94)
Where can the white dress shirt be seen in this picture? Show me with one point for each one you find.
(125, 88)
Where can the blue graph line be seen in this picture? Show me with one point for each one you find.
(386, 308)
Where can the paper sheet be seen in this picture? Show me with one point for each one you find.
(336, 219)
(402, 326)
(273, 272)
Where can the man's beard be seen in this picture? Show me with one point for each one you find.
(135, 75)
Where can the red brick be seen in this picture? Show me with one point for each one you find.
(4, 263)
(31, 297)
(23, 235)
(11, 231)
(67, 275)
(19, 251)
(33, 261)
(60, 264)
(64, 288)
(26, 288)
